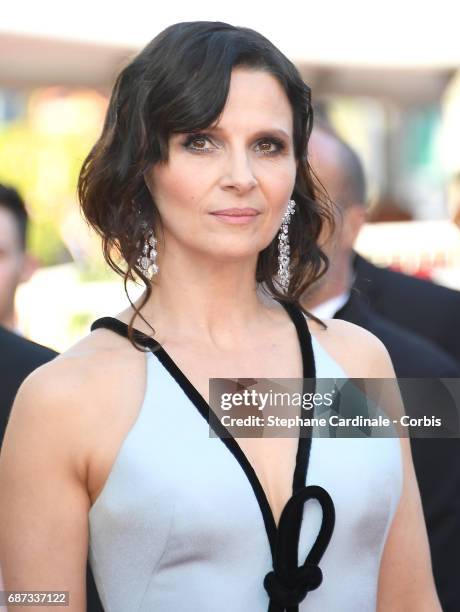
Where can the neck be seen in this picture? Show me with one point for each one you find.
(197, 296)
(9, 321)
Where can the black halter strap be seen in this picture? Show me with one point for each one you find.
(121, 328)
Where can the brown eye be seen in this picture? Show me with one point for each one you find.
(270, 146)
(198, 142)
(266, 146)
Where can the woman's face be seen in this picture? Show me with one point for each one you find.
(223, 191)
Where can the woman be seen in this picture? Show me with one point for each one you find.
(201, 160)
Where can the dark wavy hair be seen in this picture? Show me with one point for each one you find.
(179, 83)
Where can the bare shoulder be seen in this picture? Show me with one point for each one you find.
(81, 395)
(358, 351)
(82, 370)
(344, 332)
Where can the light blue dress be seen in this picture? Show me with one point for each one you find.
(182, 526)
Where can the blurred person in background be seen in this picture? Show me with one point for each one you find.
(436, 461)
(18, 356)
(421, 306)
(341, 172)
(16, 264)
(453, 198)
(418, 305)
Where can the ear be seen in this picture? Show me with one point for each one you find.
(30, 265)
(354, 218)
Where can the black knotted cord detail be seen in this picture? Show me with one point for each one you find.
(287, 584)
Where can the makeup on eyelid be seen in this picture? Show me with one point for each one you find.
(272, 140)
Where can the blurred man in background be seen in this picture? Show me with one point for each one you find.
(436, 461)
(337, 295)
(18, 356)
(423, 307)
(453, 199)
(16, 265)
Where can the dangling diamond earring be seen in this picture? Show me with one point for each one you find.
(284, 249)
(147, 261)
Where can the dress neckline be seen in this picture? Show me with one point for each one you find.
(294, 506)
(197, 399)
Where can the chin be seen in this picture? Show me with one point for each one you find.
(241, 253)
(230, 249)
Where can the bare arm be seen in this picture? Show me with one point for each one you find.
(44, 503)
(406, 580)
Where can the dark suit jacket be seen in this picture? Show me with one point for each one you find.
(420, 306)
(413, 356)
(18, 358)
(436, 461)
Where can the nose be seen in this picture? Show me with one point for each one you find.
(238, 174)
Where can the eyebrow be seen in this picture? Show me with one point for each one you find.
(259, 133)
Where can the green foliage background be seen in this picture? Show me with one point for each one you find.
(44, 168)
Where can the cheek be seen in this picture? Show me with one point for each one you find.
(8, 273)
(279, 186)
(174, 189)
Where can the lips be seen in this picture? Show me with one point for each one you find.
(236, 212)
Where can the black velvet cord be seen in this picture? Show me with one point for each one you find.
(287, 584)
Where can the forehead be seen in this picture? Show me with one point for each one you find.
(9, 230)
(255, 100)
